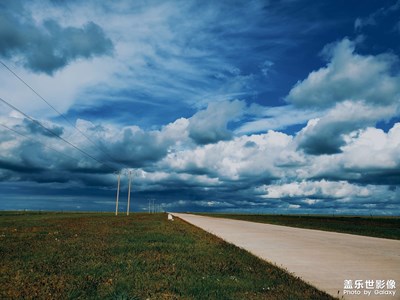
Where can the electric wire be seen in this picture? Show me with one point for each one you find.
(54, 134)
(54, 109)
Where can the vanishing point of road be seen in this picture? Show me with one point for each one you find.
(323, 259)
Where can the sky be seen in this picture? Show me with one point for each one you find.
(263, 106)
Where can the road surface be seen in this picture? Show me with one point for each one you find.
(323, 259)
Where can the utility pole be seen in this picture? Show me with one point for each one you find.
(129, 193)
(116, 202)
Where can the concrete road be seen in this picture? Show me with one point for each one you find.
(323, 259)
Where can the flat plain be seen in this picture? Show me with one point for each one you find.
(143, 256)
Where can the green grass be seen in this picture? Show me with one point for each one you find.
(100, 256)
(382, 227)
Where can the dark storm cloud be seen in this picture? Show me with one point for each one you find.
(35, 128)
(57, 161)
(323, 138)
(138, 148)
(319, 144)
(326, 135)
(376, 176)
(20, 167)
(48, 47)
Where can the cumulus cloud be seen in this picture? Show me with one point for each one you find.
(136, 147)
(316, 189)
(48, 47)
(133, 146)
(326, 134)
(249, 158)
(35, 149)
(373, 156)
(373, 149)
(370, 156)
(355, 91)
(337, 196)
(28, 148)
(210, 125)
(349, 76)
(261, 170)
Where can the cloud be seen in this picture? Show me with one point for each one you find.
(210, 125)
(349, 77)
(353, 91)
(261, 171)
(266, 67)
(275, 118)
(373, 156)
(48, 47)
(369, 156)
(340, 197)
(376, 17)
(35, 128)
(182, 56)
(326, 134)
(247, 158)
(135, 147)
(22, 167)
(316, 189)
(132, 146)
(373, 142)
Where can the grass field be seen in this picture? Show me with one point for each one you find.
(143, 256)
(383, 227)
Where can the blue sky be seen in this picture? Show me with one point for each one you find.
(288, 106)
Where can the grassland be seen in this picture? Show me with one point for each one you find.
(383, 227)
(99, 256)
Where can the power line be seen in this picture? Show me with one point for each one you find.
(54, 109)
(53, 133)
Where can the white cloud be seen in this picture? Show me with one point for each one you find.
(243, 157)
(373, 149)
(276, 118)
(325, 135)
(73, 87)
(319, 189)
(210, 125)
(349, 77)
(293, 206)
(368, 156)
(266, 67)
(311, 201)
(354, 91)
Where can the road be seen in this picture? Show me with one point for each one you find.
(323, 259)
